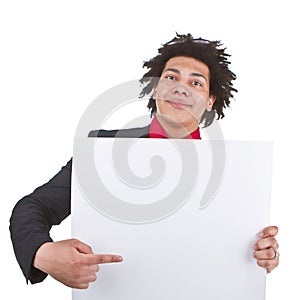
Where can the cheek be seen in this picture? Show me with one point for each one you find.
(200, 106)
(163, 88)
(159, 105)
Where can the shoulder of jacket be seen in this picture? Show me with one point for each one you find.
(137, 132)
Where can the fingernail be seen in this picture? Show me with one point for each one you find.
(261, 234)
(119, 258)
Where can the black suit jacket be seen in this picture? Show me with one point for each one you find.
(48, 205)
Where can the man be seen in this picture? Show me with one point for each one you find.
(189, 82)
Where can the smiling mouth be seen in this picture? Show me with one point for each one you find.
(179, 105)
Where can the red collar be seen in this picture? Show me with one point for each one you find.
(156, 131)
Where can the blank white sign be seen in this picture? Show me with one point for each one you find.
(191, 251)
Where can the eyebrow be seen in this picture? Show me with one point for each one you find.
(191, 74)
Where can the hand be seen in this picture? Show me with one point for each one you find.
(265, 249)
(71, 262)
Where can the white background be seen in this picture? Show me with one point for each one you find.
(56, 57)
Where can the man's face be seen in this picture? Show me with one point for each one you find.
(182, 93)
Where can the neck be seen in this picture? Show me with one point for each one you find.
(173, 129)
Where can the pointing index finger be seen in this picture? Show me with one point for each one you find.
(96, 259)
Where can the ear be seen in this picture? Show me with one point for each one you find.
(210, 102)
(154, 92)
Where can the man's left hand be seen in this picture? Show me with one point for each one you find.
(266, 249)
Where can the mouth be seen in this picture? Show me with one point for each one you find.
(179, 104)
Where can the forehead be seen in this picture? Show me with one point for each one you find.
(187, 63)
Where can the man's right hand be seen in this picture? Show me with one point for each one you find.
(71, 262)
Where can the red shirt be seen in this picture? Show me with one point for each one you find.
(156, 131)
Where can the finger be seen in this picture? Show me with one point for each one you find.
(268, 264)
(269, 231)
(82, 247)
(93, 269)
(264, 243)
(88, 279)
(83, 281)
(266, 254)
(86, 269)
(80, 286)
(95, 259)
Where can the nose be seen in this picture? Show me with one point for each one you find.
(180, 89)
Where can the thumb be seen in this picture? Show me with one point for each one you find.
(83, 248)
(268, 231)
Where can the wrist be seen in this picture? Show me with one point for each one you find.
(40, 255)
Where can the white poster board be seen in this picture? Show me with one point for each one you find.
(196, 249)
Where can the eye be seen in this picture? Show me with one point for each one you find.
(197, 83)
(171, 77)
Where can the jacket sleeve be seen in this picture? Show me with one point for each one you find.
(33, 217)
